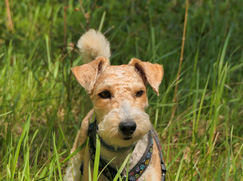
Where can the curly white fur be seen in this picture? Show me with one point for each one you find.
(93, 44)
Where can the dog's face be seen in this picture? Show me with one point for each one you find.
(118, 94)
(119, 99)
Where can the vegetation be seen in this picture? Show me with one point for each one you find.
(42, 105)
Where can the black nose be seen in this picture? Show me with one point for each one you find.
(127, 127)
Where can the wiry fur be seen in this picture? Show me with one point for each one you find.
(93, 44)
(123, 83)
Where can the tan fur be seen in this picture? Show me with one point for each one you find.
(123, 83)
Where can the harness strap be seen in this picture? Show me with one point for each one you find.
(163, 168)
(143, 163)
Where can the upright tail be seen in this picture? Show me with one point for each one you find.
(93, 44)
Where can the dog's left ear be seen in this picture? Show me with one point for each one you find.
(150, 73)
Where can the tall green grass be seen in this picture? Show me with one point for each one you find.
(42, 105)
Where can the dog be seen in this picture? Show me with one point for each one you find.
(118, 117)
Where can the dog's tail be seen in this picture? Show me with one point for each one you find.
(93, 44)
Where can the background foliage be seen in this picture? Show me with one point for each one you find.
(41, 104)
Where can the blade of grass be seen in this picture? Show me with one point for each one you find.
(122, 167)
(179, 169)
(102, 21)
(57, 157)
(97, 158)
(17, 151)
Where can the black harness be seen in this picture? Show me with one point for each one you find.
(138, 169)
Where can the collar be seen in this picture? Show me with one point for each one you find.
(111, 172)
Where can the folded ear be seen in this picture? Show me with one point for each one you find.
(87, 74)
(151, 73)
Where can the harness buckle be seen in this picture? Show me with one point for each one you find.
(163, 166)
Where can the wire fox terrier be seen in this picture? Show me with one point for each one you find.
(118, 95)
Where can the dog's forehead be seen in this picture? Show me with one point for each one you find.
(119, 75)
(122, 71)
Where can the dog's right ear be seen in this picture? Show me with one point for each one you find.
(87, 74)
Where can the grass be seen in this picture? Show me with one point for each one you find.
(42, 105)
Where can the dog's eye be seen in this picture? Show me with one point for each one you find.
(105, 95)
(139, 93)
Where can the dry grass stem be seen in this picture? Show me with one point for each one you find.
(10, 22)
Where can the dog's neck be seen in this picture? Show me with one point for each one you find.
(119, 157)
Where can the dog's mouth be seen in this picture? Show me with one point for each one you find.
(127, 138)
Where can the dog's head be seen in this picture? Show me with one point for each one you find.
(118, 94)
